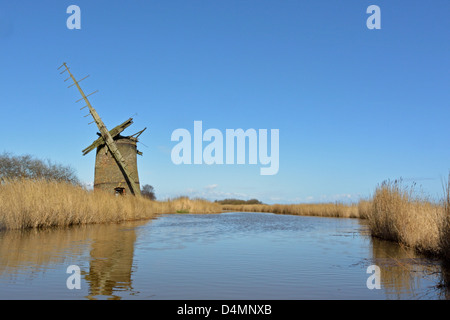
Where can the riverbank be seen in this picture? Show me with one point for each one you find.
(397, 213)
(394, 213)
(40, 203)
(333, 210)
(28, 203)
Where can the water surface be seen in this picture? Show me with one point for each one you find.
(219, 256)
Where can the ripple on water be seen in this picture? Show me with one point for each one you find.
(220, 256)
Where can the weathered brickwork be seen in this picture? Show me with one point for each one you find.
(108, 175)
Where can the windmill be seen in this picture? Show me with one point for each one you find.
(116, 159)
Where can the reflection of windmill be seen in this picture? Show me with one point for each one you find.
(116, 160)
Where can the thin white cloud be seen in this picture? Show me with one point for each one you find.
(212, 192)
(88, 185)
(211, 187)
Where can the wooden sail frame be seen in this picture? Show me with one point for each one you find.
(106, 135)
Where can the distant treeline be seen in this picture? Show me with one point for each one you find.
(28, 167)
(238, 201)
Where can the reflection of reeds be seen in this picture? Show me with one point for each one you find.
(32, 248)
(402, 270)
(37, 204)
(109, 249)
(337, 210)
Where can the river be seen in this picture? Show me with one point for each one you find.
(232, 255)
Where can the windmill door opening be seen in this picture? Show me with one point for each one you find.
(119, 191)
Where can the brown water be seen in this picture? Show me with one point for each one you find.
(224, 256)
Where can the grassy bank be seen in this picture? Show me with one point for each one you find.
(40, 203)
(394, 213)
(337, 210)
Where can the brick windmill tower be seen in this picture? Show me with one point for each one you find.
(116, 160)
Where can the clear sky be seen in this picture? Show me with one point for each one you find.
(353, 106)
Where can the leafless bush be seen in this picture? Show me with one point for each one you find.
(28, 167)
(148, 192)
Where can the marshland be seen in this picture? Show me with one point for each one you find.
(205, 249)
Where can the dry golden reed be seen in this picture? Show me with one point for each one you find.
(396, 213)
(337, 210)
(41, 203)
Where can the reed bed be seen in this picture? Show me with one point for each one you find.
(394, 213)
(364, 207)
(41, 203)
(398, 214)
(187, 205)
(445, 225)
(336, 210)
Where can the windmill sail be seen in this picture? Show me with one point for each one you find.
(107, 136)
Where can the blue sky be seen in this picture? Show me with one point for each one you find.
(353, 106)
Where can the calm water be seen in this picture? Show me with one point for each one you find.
(224, 256)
